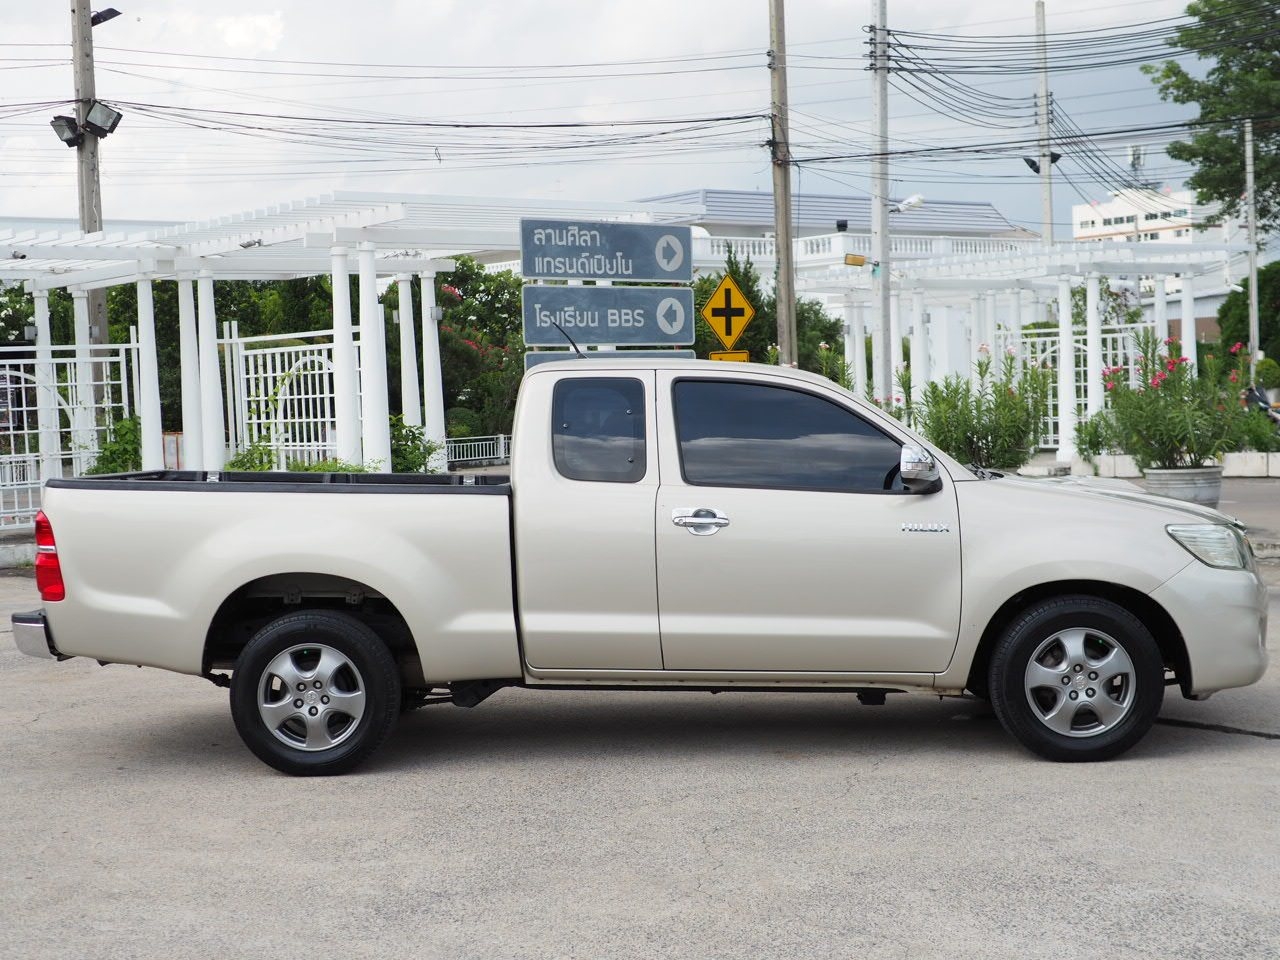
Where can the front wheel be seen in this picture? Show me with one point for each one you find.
(1077, 678)
(315, 693)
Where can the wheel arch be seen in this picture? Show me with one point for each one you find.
(1154, 617)
(259, 601)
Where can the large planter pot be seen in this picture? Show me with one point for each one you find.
(1202, 485)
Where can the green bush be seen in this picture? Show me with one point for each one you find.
(992, 422)
(1268, 374)
(411, 451)
(121, 452)
(461, 422)
(332, 465)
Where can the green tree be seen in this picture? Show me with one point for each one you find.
(1243, 81)
(813, 326)
(1233, 315)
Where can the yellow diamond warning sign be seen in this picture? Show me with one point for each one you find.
(728, 312)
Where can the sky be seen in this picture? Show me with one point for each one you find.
(241, 104)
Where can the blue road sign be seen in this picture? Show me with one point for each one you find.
(547, 356)
(626, 316)
(587, 250)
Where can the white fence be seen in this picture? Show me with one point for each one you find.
(462, 450)
(55, 412)
(1040, 348)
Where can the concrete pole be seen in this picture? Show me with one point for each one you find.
(82, 421)
(1252, 207)
(410, 398)
(432, 375)
(375, 430)
(213, 427)
(189, 359)
(46, 392)
(919, 347)
(1042, 122)
(88, 180)
(149, 381)
(346, 394)
(780, 147)
(1188, 331)
(1093, 344)
(1066, 375)
(880, 281)
(1160, 307)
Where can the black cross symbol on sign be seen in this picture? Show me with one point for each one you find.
(728, 312)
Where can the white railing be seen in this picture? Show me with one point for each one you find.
(495, 449)
(55, 414)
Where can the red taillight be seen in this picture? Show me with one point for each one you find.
(48, 569)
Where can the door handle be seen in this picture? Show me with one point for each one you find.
(699, 521)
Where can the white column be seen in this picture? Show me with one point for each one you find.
(189, 359)
(895, 339)
(943, 360)
(1017, 319)
(860, 349)
(432, 375)
(82, 418)
(919, 347)
(1160, 307)
(849, 314)
(989, 322)
(346, 393)
(878, 389)
(213, 427)
(375, 431)
(1093, 344)
(46, 392)
(1189, 319)
(1066, 375)
(149, 381)
(410, 399)
(975, 334)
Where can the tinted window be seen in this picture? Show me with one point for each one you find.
(748, 435)
(597, 430)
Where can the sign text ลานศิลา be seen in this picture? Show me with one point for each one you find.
(589, 250)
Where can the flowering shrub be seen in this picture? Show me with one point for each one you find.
(993, 421)
(1168, 417)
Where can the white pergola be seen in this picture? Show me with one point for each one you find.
(395, 236)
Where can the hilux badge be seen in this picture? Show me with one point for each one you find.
(926, 528)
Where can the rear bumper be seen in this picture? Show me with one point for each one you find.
(31, 634)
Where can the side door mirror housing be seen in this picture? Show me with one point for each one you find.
(919, 470)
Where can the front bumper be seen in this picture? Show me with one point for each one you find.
(1222, 615)
(31, 634)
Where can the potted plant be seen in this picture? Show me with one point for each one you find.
(1174, 423)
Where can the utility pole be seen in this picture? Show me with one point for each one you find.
(1042, 120)
(1252, 210)
(780, 147)
(883, 362)
(87, 180)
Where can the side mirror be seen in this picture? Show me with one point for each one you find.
(919, 470)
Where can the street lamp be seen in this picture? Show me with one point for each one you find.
(101, 119)
(68, 130)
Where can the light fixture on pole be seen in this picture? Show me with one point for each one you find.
(68, 130)
(101, 119)
(102, 16)
(913, 201)
(1035, 164)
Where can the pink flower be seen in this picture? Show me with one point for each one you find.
(1235, 347)
(1155, 383)
(1184, 359)
(1234, 377)
(1169, 341)
(452, 291)
(1171, 364)
(1111, 384)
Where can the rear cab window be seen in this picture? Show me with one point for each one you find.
(598, 429)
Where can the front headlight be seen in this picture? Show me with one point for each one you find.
(1212, 544)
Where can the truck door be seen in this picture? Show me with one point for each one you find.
(584, 501)
(786, 541)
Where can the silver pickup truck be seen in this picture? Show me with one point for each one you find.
(673, 525)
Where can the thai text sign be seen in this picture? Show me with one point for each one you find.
(627, 316)
(587, 250)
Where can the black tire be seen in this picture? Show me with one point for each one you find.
(1069, 707)
(343, 695)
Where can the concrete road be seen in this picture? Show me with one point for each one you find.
(626, 825)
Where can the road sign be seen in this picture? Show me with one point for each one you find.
(737, 356)
(588, 250)
(547, 356)
(728, 312)
(627, 316)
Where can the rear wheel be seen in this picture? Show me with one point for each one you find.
(1077, 678)
(314, 693)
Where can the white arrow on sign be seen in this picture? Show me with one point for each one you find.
(671, 316)
(670, 253)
